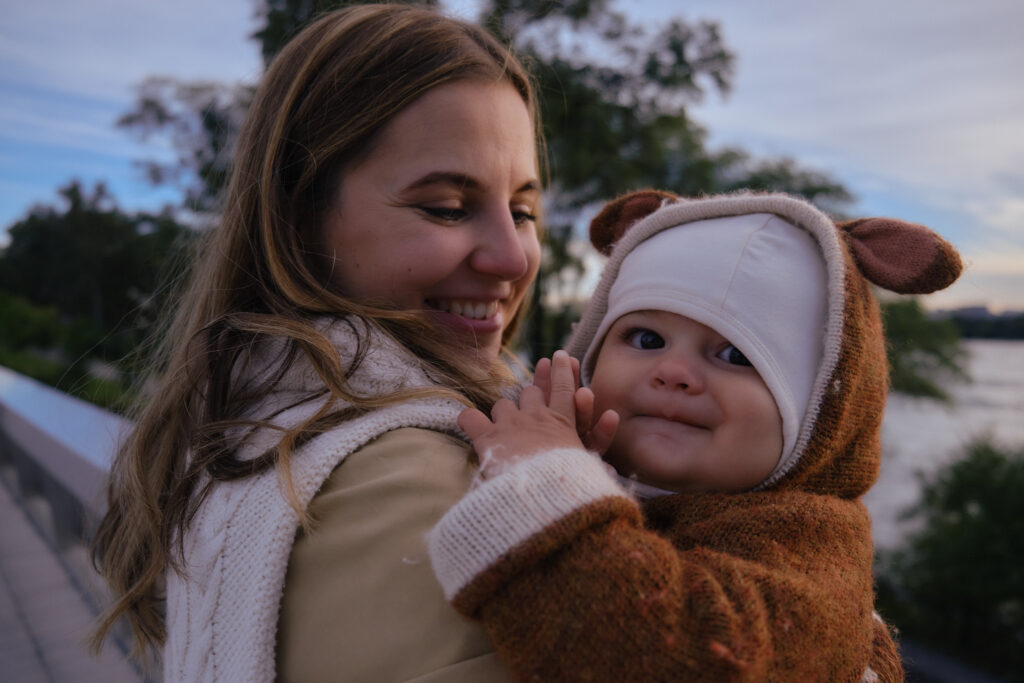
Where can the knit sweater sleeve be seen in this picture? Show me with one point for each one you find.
(557, 563)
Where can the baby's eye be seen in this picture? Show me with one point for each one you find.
(449, 214)
(644, 339)
(730, 354)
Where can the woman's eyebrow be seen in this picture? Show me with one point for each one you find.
(463, 182)
(459, 180)
(529, 186)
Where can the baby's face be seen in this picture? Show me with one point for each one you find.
(695, 415)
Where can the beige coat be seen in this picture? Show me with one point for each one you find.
(360, 600)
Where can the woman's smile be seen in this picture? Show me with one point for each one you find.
(474, 310)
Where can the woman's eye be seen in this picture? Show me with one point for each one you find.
(733, 356)
(445, 213)
(644, 339)
(520, 217)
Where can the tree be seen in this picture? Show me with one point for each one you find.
(619, 122)
(282, 19)
(80, 289)
(201, 122)
(99, 267)
(990, 326)
(613, 101)
(958, 586)
(922, 351)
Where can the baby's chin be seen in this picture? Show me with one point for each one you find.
(667, 484)
(654, 471)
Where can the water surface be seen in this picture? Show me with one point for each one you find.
(920, 435)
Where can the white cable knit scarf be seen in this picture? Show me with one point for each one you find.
(222, 615)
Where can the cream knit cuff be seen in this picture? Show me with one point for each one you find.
(505, 511)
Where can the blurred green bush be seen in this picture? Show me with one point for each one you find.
(923, 352)
(958, 584)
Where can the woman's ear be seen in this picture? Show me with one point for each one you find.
(905, 258)
(614, 219)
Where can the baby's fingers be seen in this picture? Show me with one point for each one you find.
(532, 397)
(473, 422)
(601, 436)
(584, 399)
(563, 385)
(504, 409)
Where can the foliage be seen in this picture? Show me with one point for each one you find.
(23, 325)
(613, 103)
(109, 393)
(620, 126)
(97, 266)
(613, 100)
(201, 121)
(35, 342)
(959, 584)
(80, 288)
(921, 350)
(1007, 326)
(282, 19)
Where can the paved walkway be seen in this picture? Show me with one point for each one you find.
(44, 615)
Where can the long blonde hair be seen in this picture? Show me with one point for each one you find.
(318, 110)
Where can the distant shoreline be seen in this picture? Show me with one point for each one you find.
(977, 322)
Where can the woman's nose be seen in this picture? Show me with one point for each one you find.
(678, 371)
(501, 250)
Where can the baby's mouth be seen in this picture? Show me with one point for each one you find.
(683, 420)
(474, 310)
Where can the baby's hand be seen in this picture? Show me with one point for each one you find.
(544, 419)
(596, 436)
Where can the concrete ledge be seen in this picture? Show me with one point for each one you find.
(61, 448)
(55, 453)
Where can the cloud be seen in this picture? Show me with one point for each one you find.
(913, 104)
(43, 121)
(1000, 292)
(909, 104)
(101, 50)
(1005, 217)
(68, 69)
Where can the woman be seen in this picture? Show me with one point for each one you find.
(267, 515)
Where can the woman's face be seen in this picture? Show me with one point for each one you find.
(441, 216)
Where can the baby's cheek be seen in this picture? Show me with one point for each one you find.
(617, 454)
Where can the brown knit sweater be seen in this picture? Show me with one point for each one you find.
(575, 581)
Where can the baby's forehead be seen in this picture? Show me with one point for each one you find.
(670, 319)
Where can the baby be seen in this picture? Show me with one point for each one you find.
(735, 344)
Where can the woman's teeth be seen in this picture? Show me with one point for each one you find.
(475, 310)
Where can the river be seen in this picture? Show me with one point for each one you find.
(921, 436)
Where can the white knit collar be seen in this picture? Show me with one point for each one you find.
(221, 622)
(384, 368)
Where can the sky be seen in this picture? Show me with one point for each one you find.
(916, 106)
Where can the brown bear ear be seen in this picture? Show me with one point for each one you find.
(611, 223)
(902, 257)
